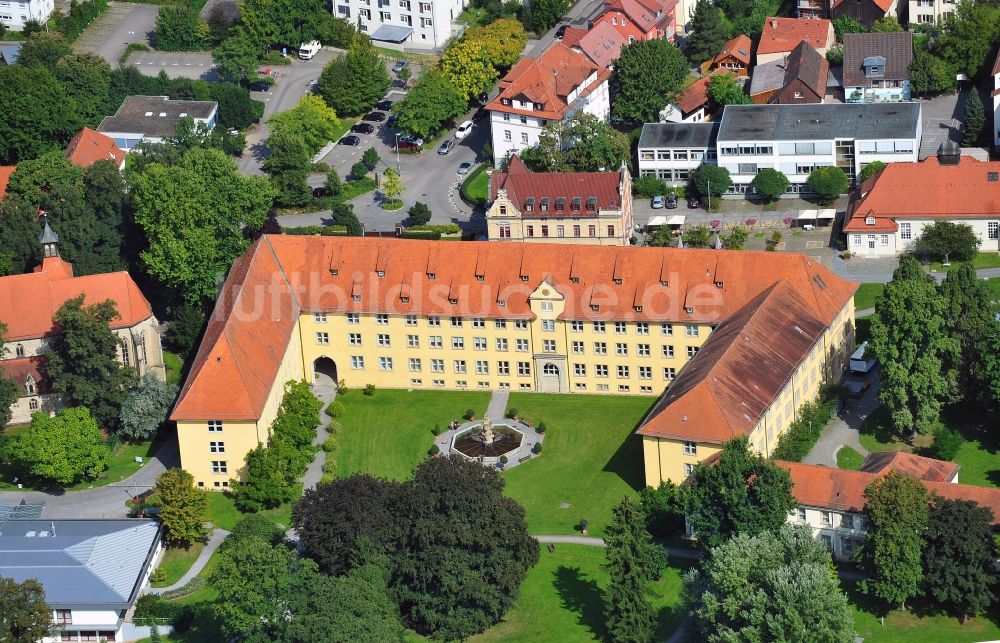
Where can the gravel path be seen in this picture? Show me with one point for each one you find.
(314, 473)
(843, 430)
(213, 543)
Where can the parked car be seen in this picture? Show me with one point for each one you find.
(410, 144)
(378, 117)
(384, 105)
(561, 32)
(320, 192)
(259, 86)
(465, 167)
(409, 138)
(363, 128)
(464, 130)
(671, 201)
(398, 65)
(350, 140)
(694, 202)
(309, 49)
(446, 147)
(657, 202)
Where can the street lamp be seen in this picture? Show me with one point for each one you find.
(398, 171)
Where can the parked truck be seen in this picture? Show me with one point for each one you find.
(309, 49)
(860, 362)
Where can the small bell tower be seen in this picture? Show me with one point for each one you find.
(49, 241)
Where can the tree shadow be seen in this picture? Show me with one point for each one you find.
(581, 596)
(626, 461)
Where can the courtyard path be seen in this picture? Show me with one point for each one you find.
(843, 430)
(497, 407)
(213, 543)
(325, 394)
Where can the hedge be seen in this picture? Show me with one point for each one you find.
(323, 230)
(804, 432)
(443, 228)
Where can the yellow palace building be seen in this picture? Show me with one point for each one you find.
(737, 339)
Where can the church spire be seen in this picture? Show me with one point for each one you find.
(49, 241)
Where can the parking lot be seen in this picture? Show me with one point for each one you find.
(176, 64)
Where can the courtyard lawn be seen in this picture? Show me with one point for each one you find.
(590, 459)
(560, 599)
(906, 627)
(176, 562)
(476, 188)
(994, 286)
(222, 512)
(848, 458)
(175, 365)
(980, 261)
(866, 295)
(388, 434)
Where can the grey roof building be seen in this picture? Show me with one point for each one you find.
(877, 57)
(657, 135)
(820, 121)
(10, 53)
(154, 118)
(84, 565)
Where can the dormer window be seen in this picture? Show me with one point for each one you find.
(480, 278)
(380, 273)
(404, 299)
(501, 303)
(874, 66)
(524, 277)
(431, 275)
(718, 284)
(869, 220)
(638, 309)
(19, 350)
(688, 310)
(575, 280)
(664, 283)
(529, 204)
(356, 297)
(618, 282)
(595, 307)
(505, 101)
(453, 302)
(503, 210)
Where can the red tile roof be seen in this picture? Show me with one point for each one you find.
(884, 5)
(547, 81)
(89, 147)
(738, 48)
(742, 368)
(20, 368)
(647, 15)
(844, 490)
(28, 301)
(927, 469)
(241, 353)
(782, 34)
(695, 95)
(522, 184)
(5, 172)
(925, 190)
(602, 44)
(573, 35)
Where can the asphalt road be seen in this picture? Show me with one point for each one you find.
(121, 24)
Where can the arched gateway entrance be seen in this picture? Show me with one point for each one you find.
(325, 372)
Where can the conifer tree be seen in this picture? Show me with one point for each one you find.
(632, 564)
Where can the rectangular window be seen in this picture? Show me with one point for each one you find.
(825, 517)
(601, 370)
(692, 351)
(546, 306)
(357, 362)
(437, 365)
(479, 343)
(436, 341)
(415, 364)
(600, 348)
(456, 322)
(669, 373)
(507, 135)
(505, 231)
(323, 339)
(215, 426)
(645, 372)
(353, 318)
(580, 370)
(501, 343)
(622, 372)
(521, 345)
(611, 230)
(459, 366)
(482, 367)
(905, 231)
(216, 447)
(219, 467)
(667, 330)
(548, 325)
(521, 324)
(642, 350)
(620, 328)
(688, 469)
(642, 328)
(668, 351)
(434, 322)
(503, 368)
(64, 617)
(524, 368)
(690, 448)
(500, 323)
(992, 229)
(411, 320)
(690, 330)
(478, 322)
(383, 339)
(576, 326)
(548, 345)
(524, 137)
(412, 341)
(592, 231)
(385, 363)
(382, 320)
(458, 343)
(598, 327)
(578, 348)
(319, 318)
(354, 339)
(621, 349)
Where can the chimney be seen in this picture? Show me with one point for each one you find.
(949, 153)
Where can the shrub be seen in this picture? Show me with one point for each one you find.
(649, 186)
(511, 412)
(434, 450)
(803, 433)
(503, 459)
(469, 414)
(330, 444)
(336, 409)
(369, 390)
(196, 583)
(537, 448)
(663, 507)
(150, 607)
(183, 620)
(540, 428)
(320, 167)
(342, 387)
(436, 430)
(158, 576)
(947, 442)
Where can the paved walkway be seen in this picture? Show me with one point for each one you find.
(843, 431)
(213, 543)
(101, 502)
(589, 541)
(314, 473)
(498, 405)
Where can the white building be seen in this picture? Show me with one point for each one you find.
(671, 151)
(797, 139)
(152, 119)
(14, 13)
(930, 12)
(552, 87)
(424, 24)
(92, 570)
(887, 213)
(996, 102)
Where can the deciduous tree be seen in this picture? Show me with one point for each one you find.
(727, 89)
(828, 182)
(710, 180)
(183, 507)
(353, 83)
(542, 15)
(870, 170)
(82, 360)
(38, 115)
(971, 316)
(43, 49)
(966, 41)
(10, 390)
(288, 167)
(770, 183)
(774, 586)
(180, 28)
(87, 79)
(429, 105)
(698, 236)
(311, 119)
(343, 214)
(945, 240)
(236, 58)
(64, 449)
(25, 617)
(632, 562)
(646, 75)
(20, 230)
(929, 74)
(741, 493)
(392, 186)
(959, 551)
(896, 516)
(887, 24)
(419, 213)
(145, 408)
(582, 143)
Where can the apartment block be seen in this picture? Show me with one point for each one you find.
(15, 13)
(671, 151)
(420, 24)
(930, 12)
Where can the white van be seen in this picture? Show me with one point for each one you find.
(309, 49)
(859, 364)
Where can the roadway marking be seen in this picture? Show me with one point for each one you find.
(814, 245)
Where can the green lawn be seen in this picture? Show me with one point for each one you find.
(175, 365)
(994, 286)
(176, 562)
(224, 514)
(389, 433)
(590, 459)
(848, 458)
(560, 600)
(476, 188)
(866, 295)
(906, 627)
(980, 261)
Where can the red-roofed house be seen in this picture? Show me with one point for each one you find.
(887, 212)
(868, 11)
(28, 302)
(572, 35)
(831, 500)
(640, 19)
(560, 207)
(89, 147)
(602, 44)
(781, 35)
(5, 172)
(735, 56)
(552, 87)
(691, 105)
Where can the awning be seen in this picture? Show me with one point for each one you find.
(677, 219)
(657, 221)
(392, 33)
(828, 213)
(807, 214)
